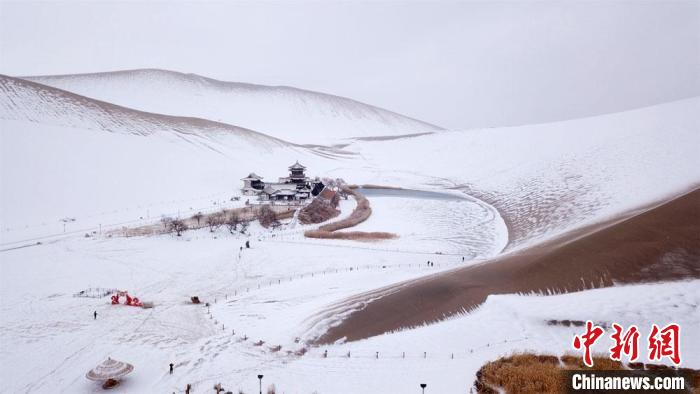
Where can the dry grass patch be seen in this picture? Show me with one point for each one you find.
(532, 373)
(361, 213)
(350, 235)
(599, 363)
(521, 373)
(317, 212)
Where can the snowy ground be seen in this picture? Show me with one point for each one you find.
(43, 321)
(45, 326)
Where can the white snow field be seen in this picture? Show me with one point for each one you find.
(68, 156)
(284, 112)
(50, 339)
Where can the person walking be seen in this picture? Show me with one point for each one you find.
(95, 315)
(171, 368)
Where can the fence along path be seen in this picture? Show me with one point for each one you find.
(320, 352)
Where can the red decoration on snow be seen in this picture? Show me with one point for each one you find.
(129, 300)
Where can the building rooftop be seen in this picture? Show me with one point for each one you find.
(252, 177)
(272, 188)
(297, 166)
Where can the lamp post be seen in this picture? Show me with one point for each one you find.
(422, 386)
(66, 220)
(260, 379)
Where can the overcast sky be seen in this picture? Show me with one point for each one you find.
(455, 64)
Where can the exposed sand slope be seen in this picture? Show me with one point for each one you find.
(288, 113)
(660, 244)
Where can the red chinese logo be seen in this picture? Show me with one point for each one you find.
(587, 340)
(662, 342)
(665, 343)
(627, 344)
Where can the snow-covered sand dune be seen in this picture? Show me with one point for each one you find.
(68, 156)
(661, 244)
(288, 113)
(33, 102)
(546, 179)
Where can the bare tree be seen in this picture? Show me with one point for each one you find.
(267, 217)
(232, 222)
(333, 183)
(198, 216)
(215, 220)
(178, 226)
(166, 222)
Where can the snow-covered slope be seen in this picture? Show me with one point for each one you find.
(68, 156)
(284, 112)
(549, 178)
(543, 179)
(28, 101)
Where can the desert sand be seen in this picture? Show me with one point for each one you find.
(659, 244)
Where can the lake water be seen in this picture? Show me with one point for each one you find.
(409, 193)
(434, 222)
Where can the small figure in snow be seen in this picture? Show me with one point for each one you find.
(95, 314)
(247, 244)
(171, 368)
(462, 258)
(241, 248)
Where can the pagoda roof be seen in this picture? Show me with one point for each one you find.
(252, 177)
(297, 166)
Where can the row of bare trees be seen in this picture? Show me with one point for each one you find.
(214, 221)
(231, 220)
